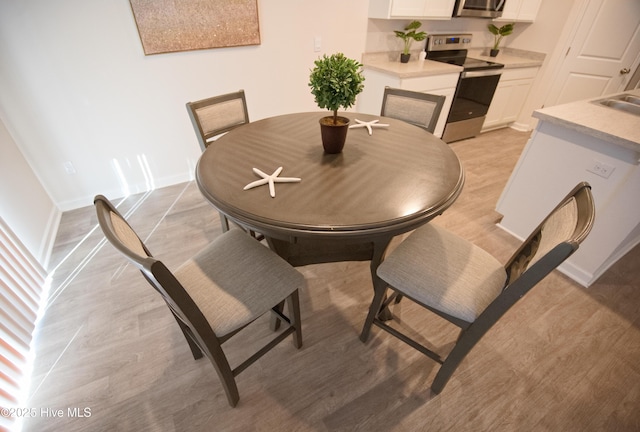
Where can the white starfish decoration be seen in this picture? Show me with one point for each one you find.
(271, 180)
(369, 125)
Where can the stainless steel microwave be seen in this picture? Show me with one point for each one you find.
(479, 8)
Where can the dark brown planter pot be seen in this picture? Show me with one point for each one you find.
(494, 52)
(333, 135)
(404, 58)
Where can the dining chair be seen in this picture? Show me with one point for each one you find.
(467, 286)
(216, 293)
(215, 116)
(420, 109)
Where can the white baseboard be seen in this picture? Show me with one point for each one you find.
(49, 238)
(119, 193)
(521, 127)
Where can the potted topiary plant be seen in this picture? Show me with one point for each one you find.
(335, 82)
(498, 33)
(408, 36)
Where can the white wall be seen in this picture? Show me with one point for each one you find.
(75, 86)
(24, 204)
(550, 34)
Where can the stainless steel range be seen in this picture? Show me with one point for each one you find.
(475, 89)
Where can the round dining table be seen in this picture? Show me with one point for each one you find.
(390, 178)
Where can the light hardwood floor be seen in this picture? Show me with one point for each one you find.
(565, 358)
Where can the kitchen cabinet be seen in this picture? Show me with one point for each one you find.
(520, 11)
(510, 96)
(419, 9)
(370, 100)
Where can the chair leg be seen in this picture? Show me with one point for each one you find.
(226, 376)
(275, 320)
(374, 309)
(294, 316)
(466, 342)
(224, 222)
(379, 250)
(256, 235)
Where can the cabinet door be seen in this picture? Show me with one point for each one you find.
(496, 110)
(520, 11)
(528, 10)
(439, 9)
(517, 97)
(408, 8)
(510, 11)
(432, 9)
(507, 103)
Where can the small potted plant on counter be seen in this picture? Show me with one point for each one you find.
(498, 33)
(335, 82)
(408, 36)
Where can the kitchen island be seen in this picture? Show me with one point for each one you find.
(580, 141)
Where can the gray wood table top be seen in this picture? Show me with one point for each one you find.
(382, 184)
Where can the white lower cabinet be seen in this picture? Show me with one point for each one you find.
(509, 97)
(370, 100)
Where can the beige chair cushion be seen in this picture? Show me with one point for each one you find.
(236, 279)
(445, 272)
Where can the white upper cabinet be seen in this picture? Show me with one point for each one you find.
(520, 10)
(424, 9)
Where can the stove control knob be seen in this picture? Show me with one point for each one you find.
(466, 40)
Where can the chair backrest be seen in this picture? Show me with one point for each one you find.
(420, 109)
(120, 234)
(217, 115)
(556, 238)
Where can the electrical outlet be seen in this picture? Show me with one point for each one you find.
(600, 168)
(317, 43)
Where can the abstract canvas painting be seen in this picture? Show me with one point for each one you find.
(184, 25)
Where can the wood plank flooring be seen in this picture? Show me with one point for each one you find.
(565, 358)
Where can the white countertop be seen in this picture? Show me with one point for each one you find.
(389, 62)
(510, 58)
(608, 124)
(415, 68)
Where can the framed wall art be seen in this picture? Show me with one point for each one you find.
(185, 25)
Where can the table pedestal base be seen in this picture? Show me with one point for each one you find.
(305, 251)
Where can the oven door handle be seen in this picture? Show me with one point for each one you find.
(481, 73)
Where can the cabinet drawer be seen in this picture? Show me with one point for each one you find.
(423, 84)
(518, 73)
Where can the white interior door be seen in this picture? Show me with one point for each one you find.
(602, 54)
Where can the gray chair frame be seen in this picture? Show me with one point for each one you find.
(201, 338)
(520, 279)
(437, 100)
(205, 133)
